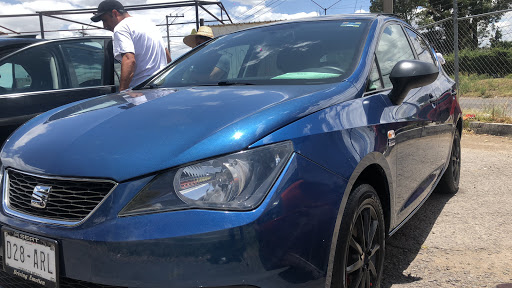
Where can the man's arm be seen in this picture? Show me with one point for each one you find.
(217, 74)
(221, 69)
(127, 71)
(168, 55)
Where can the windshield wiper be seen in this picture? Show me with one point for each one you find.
(151, 86)
(230, 83)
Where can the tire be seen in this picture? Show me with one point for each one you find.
(359, 262)
(449, 183)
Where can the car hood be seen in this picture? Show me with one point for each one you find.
(129, 134)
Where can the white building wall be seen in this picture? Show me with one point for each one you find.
(219, 30)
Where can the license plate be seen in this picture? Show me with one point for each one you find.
(30, 257)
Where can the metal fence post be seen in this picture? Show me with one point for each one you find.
(456, 43)
(197, 16)
(41, 25)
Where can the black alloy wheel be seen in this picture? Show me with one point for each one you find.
(449, 183)
(455, 159)
(359, 259)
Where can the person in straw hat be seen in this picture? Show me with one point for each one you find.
(202, 35)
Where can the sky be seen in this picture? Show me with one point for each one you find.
(239, 10)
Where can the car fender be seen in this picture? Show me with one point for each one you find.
(372, 158)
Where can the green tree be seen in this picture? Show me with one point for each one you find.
(497, 41)
(422, 12)
(409, 11)
(468, 28)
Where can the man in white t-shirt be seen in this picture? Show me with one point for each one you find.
(138, 45)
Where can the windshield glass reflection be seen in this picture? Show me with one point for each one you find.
(318, 52)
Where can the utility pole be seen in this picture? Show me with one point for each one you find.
(167, 27)
(388, 6)
(325, 9)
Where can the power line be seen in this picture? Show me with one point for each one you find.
(262, 8)
(270, 9)
(272, 2)
(325, 9)
(254, 7)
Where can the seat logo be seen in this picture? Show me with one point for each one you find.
(40, 196)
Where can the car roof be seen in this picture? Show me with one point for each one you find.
(10, 45)
(10, 41)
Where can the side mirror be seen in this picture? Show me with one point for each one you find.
(410, 74)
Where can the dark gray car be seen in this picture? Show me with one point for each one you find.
(39, 75)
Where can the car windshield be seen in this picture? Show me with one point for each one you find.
(311, 52)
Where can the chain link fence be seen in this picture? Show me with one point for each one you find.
(485, 60)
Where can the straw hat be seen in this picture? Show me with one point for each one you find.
(205, 31)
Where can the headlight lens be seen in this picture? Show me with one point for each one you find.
(237, 182)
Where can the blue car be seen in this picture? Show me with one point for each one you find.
(278, 156)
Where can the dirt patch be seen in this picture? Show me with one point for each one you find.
(464, 240)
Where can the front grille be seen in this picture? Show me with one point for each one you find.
(10, 281)
(69, 200)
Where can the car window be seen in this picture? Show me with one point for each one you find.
(292, 53)
(422, 49)
(393, 47)
(7, 75)
(84, 62)
(375, 80)
(235, 57)
(34, 69)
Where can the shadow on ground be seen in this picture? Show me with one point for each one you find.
(403, 247)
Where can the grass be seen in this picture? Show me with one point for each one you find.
(484, 86)
(490, 114)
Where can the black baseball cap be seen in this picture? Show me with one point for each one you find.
(106, 7)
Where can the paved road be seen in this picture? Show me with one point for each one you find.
(502, 103)
(464, 240)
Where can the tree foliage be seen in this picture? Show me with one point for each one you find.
(406, 10)
(497, 41)
(469, 28)
(422, 12)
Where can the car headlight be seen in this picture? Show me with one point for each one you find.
(237, 182)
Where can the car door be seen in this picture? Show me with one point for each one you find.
(414, 165)
(51, 74)
(436, 132)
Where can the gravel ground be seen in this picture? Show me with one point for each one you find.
(463, 240)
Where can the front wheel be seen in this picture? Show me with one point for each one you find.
(359, 259)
